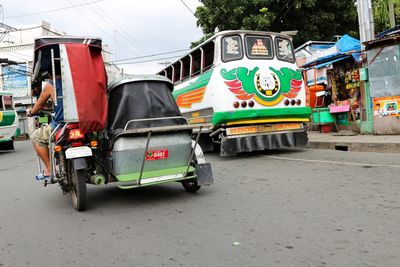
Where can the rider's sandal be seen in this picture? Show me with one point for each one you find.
(42, 177)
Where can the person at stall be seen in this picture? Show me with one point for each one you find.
(40, 137)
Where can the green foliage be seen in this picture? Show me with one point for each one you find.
(201, 40)
(313, 19)
(381, 14)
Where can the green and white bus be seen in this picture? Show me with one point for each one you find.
(245, 89)
(8, 121)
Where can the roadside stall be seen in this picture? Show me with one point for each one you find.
(384, 80)
(338, 99)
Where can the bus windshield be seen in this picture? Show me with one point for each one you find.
(232, 48)
(284, 49)
(259, 47)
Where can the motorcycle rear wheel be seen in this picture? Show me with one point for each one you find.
(78, 188)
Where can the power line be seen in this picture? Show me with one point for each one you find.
(91, 21)
(127, 30)
(149, 60)
(153, 55)
(183, 2)
(51, 10)
(109, 20)
(288, 6)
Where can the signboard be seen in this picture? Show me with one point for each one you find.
(386, 106)
(15, 79)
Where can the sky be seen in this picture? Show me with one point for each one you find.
(133, 29)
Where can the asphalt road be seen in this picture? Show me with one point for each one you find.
(281, 208)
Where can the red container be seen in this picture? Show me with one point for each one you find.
(325, 128)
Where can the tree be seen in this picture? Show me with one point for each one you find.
(381, 13)
(313, 19)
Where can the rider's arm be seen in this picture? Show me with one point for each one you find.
(44, 96)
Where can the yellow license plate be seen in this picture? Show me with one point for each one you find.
(264, 128)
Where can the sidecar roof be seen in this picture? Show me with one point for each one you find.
(139, 78)
(52, 40)
(136, 97)
(84, 79)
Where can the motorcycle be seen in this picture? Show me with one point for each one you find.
(131, 133)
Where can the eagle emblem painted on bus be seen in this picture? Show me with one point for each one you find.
(266, 88)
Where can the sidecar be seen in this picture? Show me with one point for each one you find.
(146, 140)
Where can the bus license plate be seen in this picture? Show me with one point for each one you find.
(157, 154)
(78, 152)
(263, 128)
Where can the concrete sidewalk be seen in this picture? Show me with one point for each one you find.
(347, 142)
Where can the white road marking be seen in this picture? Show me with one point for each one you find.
(335, 162)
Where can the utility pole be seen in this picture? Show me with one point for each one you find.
(365, 21)
(391, 14)
(367, 33)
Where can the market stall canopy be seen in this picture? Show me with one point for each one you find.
(387, 37)
(345, 47)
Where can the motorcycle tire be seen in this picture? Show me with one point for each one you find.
(78, 188)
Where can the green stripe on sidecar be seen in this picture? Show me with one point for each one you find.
(133, 177)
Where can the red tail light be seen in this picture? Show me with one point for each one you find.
(75, 134)
(75, 144)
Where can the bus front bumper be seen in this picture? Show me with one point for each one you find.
(258, 142)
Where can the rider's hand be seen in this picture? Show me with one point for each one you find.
(28, 113)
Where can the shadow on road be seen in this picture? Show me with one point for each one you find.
(256, 154)
(110, 196)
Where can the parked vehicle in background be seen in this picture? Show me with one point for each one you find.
(245, 89)
(8, 121)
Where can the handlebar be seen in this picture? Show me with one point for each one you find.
(42, 113)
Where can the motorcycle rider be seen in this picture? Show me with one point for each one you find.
(40, 137)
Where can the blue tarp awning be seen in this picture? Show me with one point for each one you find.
(347, 46)
(330, 62)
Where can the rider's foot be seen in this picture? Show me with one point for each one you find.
(42, 177)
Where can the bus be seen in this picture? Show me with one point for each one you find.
(8, 121)
(245, 90)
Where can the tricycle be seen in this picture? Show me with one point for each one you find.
(131, 133)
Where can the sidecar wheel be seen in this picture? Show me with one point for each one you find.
(78, 189)
(191, 185)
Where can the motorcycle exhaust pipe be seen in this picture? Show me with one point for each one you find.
(97, 179)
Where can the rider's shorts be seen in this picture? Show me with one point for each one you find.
(41, 135)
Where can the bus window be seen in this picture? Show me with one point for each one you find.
(208, 57)
(169, 73)
(177, 72)
(232, 48)
(196, 62)
(7, 102)
(186, 67)
(259, 47)
(284, 49)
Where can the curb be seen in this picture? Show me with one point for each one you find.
(358, 147)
